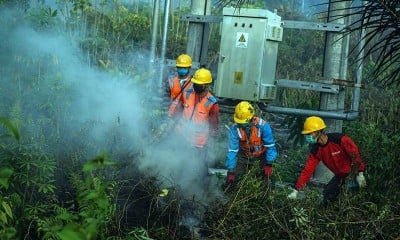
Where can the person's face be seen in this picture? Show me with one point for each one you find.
(244, 125)
(182, 71)
(199, 88)
(311, 138)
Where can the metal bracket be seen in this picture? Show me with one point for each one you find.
(346, 83)
(331, 27)
(313, 86)
(201, 18)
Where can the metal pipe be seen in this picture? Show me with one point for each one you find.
(156, 7)
(307, 112)
(359, 67)
(344, 54)
(164, 40)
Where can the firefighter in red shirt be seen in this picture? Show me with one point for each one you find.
(339, 154)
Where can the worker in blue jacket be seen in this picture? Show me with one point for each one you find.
(250, 139)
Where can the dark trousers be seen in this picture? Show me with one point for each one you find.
(244, 163)
(332, 189)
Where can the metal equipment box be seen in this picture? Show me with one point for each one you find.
(248, 54)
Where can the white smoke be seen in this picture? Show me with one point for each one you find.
(91, 106)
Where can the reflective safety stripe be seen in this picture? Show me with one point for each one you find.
(259, 130)
(239, 132)
(252, 144)
(269, 145)
(176, 85)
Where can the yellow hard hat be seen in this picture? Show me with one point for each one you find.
(313, 124)
(244, 112)
(184, 60)
(202, 76)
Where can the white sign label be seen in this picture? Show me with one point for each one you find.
(242, 39)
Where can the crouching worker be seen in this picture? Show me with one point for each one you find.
(339, 154)
(250, 140)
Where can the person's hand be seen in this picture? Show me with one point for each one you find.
(268, 171)
(293, 194)
(163, 129)
(230, 178)
(362, 183)
(160, 131)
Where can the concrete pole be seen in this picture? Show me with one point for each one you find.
(335, 66)
(197, 44)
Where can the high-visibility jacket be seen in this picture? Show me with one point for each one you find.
(194, 122)
(338, 155)
(175, 85)
(261, 141)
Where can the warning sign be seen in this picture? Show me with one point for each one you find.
(242, 39)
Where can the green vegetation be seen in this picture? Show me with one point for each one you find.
(53, 188)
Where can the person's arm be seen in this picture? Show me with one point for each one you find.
(352, 150)
(174, 106)
(233, 149)
(214, 119)
(269, 143)
(305, 175)
(167, 86)
(358, 165)
(231, 157)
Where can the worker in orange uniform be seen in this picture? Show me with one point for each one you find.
(179, 81)
(339, 154)
(194, 125)
(174, 86)
(200, 110)
(193, 117)
(250, 139)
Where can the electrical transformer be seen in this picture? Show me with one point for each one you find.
(248, 54)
